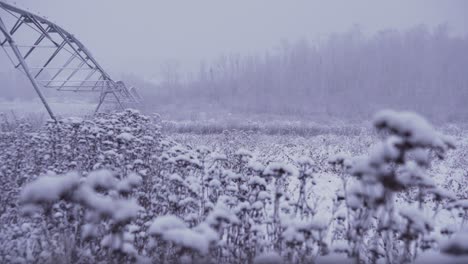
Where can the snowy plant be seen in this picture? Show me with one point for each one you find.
(398, 164)
(114, 188)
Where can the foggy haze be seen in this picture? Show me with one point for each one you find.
(234, 131)
(294, 58)
(138, 36)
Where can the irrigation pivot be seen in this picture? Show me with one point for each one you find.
(53, 58)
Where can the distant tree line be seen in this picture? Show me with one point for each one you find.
(347, 74)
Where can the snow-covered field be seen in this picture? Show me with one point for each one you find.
(120, 188)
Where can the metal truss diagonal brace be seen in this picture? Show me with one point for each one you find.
(25, 68)
(66, 50)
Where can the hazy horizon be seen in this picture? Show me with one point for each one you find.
(242, 131)
(137, 38)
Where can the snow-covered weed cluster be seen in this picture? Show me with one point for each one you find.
(113, 189)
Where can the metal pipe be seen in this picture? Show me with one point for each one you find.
(73, 73)
(26, 69)
(36, 44)
(51, 58)
(88, 77)
(56, 34)
(16, 26)
(64, 66)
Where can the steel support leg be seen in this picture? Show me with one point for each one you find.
(26, 68)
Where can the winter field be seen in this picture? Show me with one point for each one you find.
(130, 188)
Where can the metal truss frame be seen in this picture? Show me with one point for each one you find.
(79, 72)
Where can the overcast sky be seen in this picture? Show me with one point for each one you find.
(136, 36)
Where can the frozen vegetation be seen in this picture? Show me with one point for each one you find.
(115, 189)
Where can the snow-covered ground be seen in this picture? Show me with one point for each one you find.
(118, 188)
